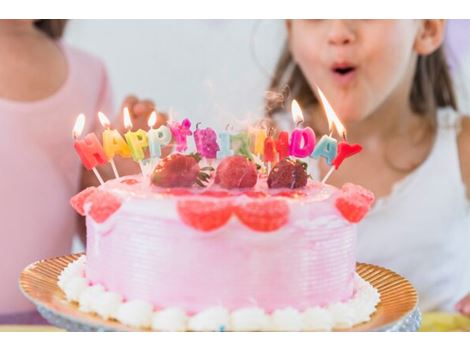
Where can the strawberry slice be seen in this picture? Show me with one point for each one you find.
(354, 202)
(264, 216)
(103, 205)
(79, 199)
(204, 215)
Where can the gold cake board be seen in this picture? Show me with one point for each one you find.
(397, 310)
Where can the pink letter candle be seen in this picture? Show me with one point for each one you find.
(206, 142)
(181, 131)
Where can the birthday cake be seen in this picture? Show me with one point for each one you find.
(246, 252)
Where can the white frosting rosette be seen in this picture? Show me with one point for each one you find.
(141, 314)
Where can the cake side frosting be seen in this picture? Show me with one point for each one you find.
(141, 314)
(144, 251)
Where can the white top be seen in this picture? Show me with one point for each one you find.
(421, 230)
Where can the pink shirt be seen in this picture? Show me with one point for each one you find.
(41, 171)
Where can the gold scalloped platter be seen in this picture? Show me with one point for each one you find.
(397, 310)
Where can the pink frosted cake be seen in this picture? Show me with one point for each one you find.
(243, 253)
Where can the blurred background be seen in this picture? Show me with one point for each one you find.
(211, 70)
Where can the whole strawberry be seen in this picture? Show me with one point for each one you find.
(288, 173)
(178, 170)
(236, 172)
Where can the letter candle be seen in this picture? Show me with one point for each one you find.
(302, 139)
(282, 145)
(206, 143)
(344, 149)
(269, 150)
(136, 141)
(89, 148)
(157, 138)
(113, 143)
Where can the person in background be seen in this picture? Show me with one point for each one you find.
(388, 81)
(44, 85)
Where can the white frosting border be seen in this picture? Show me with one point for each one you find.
(140, 314)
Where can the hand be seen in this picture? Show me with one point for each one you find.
(140, 111)
(464, 305)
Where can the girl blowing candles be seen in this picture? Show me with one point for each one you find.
(44, 85)
(388, 82)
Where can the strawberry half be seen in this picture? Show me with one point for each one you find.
(288, 173)
(354, 202)
(178, 170)
(264, 216)
(103, 205)
(79, 199)
(204, 215)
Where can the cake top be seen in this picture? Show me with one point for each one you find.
(205, 198)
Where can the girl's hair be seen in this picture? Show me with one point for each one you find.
(432, 84)
(53, 28)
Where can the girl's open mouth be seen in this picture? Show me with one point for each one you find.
(344, 73)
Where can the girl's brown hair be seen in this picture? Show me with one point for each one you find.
(432, 84)
(53, 28)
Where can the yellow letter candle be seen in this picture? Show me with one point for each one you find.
(136, 141)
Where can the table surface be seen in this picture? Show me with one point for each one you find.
(432, 321)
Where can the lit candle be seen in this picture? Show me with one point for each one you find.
(344, 150)
(206, 142)
(181, 131)
(136, 141)
(282, 145)
(302, 139)
(89, 149)
(327, 148)
(157, 138)
(113, 143)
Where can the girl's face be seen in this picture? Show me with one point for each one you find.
(358, 64)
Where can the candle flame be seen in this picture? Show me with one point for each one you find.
(79, 125)
(104, 120)
(152, 119)
(127, 118)
(296, 112)
(331, 115)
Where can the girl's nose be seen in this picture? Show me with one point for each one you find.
(341, 32)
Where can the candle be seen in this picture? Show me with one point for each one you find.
(282, 145)
(181, 131)
(326, 148)
(225, 143)
(241, 143)
(89, 149)
(344, 150)
(206, 142)
(269, 149)
(157, 138)
(113, 143)
(136, 141)
(260, 136)
(302, 139)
